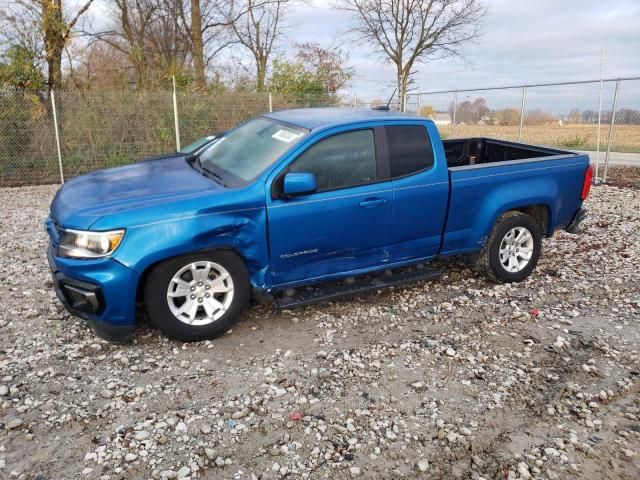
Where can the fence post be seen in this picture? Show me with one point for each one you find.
(175, 115)
(55, 125)
(419, 102)
(455, 108)
(270, 103)
(599, 114)
(613, 122)
(524, 99)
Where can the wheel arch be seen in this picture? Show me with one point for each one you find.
(541, 213)
(144, 275)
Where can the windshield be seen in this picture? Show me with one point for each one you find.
(243, 153)
(197, 145)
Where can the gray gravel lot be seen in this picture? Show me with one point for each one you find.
(457, 378)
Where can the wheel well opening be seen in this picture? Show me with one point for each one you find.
(145, 274)
(540, 213)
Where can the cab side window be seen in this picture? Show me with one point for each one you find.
(410, 149)
(340, 161)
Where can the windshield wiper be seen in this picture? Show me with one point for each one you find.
(207, 172)
(215, 175)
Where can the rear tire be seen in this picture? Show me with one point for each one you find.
(512, 250)
(198, 296)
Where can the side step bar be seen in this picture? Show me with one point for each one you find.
(331, 291)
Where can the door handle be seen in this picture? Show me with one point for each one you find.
(372, 202)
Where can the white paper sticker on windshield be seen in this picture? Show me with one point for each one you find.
(285, 136)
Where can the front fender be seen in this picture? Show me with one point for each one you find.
(242, 230)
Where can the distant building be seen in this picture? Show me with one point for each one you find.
(440, 118)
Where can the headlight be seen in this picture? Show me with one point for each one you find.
(81, 244)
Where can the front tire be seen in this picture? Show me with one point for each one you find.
(198, 296)
(512, 249)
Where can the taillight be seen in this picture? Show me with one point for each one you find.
(586, 185)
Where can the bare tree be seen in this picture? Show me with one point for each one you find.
(135, 17)
(167, 41)
(468, 111)
(99, 66)
(197, 44)
(258, 26)
(408, 32)
(574, 116)
(54, 24)
(150, 34)
(170, 37)
(20, 25)
(207, 22)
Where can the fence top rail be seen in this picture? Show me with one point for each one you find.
(577, 82)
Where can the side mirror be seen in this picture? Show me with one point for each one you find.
(299, 183)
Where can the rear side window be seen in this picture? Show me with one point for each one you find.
(410, 149)
(341, 161)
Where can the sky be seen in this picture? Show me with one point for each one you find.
(524, 41)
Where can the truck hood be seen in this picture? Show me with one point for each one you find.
(82, 201)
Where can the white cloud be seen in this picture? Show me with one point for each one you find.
(524, 42)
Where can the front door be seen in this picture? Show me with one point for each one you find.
(343, 225)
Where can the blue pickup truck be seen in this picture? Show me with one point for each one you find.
(299, 206)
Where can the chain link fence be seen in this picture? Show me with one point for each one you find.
(107, 129)
(27, 140)
(600, 118)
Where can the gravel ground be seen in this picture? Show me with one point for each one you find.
(457, 378)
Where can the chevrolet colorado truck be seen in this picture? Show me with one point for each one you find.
(300, 206)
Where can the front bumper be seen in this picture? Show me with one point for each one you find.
(576, 223)
(102, 291)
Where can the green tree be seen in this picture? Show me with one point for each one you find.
(19, 69)
(330, 66)
(49, 24)
(19, 73)
(294, 77)
(315, 70)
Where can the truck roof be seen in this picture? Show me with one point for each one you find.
(316, 118)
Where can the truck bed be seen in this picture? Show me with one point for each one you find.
(490, 176)
(462, 152)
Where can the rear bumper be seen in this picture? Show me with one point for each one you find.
(577, 221)
(101, 291)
